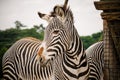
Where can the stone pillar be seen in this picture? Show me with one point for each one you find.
(111, 29)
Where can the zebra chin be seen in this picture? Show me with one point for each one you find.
(42, 61)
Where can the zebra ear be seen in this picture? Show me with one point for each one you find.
(41, 14)
(65, 4)
(44, 16)
(59, 11)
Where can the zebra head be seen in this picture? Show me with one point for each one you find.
(55, 41)
(58, 36)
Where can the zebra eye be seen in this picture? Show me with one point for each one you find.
(56, 32)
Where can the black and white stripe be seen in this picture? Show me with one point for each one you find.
(96, 61)
(19, 62)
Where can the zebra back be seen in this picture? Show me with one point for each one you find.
(95, 59)
(19, 62)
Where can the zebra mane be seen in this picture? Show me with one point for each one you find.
(69, 15)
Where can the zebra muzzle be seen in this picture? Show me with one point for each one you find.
(40, 53)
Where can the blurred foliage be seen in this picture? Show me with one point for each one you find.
(10, 36)
(89, 40)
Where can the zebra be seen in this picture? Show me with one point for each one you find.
(93, 53)
(95, 58)
(63, 45)
(20, 63)
(60, 56)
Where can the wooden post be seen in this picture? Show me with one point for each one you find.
(111, 29)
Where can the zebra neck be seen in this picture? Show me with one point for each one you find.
(75, 52)
(72, 59)
(75, 64)
(58, 69)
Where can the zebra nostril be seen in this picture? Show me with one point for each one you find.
(42, 59)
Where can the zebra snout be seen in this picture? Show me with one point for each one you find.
(39, 53)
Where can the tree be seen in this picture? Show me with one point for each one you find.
(39, 28)
(19, 25)
(89, 40)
